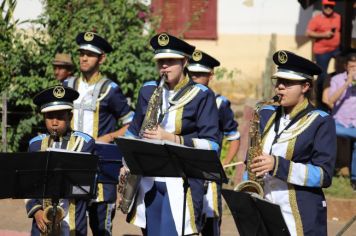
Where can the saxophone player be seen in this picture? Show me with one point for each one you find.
(201, 69)
(188, 115)
(55, 104)
(299, 148)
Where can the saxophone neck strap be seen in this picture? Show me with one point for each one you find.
(277, 122)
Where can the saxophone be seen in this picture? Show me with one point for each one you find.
(128, 183)
(254, 184)
(51, 210)
(53, 215)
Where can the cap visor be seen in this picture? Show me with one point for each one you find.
(56, 108)
(286, 75)
(167, 55)
(91, 48)
(198, 69)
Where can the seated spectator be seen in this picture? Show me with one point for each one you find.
(342, 96)
(339, 68)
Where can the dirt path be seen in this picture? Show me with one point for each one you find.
(14, 222)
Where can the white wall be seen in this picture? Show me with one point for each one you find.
(262, 17)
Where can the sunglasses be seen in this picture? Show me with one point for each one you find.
(329, 6)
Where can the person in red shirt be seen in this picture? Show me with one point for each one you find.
(324, 29)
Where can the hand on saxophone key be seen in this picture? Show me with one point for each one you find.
(158, 133)
(262, 164)
(40, 221)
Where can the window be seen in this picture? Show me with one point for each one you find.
(190, 19)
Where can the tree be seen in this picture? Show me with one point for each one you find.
(27, 56)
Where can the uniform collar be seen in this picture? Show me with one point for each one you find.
(181, 84)
(298, 108)
(93, 80)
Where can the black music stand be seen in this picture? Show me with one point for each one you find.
(50, 174)
(154, 158)
(110, 162)
(254, 216)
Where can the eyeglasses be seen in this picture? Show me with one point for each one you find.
(286, 82)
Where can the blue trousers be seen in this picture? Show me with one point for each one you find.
(101, 215)
(349, 133)
(159, 218)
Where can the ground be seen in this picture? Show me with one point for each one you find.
(14, 222)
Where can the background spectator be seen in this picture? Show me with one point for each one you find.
(325, 30)
(342, 95)
(63, 66)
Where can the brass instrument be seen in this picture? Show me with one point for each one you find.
(51, 210)
(53, 216)
(128, 183)
(254, 184)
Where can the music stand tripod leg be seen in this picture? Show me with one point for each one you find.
(185, 189)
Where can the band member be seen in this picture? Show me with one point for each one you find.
(98, 110)
(56, 104)
(201, 69)
(188, 116)
(299, 148)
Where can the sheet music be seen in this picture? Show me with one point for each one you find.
(157, 141)
(64, 150)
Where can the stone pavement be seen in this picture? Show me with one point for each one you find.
(14, 222)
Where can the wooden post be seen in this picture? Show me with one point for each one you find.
(4, 122)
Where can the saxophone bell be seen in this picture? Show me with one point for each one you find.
(53, 216)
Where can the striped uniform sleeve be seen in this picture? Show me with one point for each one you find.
(318, 171)
(227, 121)
(118, 104)
(89, 142)
(207, 129)
(32, 206)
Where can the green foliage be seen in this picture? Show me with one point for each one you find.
(223, 73)
(121, 22)
(340, 188)
(25, 58)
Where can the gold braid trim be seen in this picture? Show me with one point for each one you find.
(178, 121)
(290, 171)
(71, 142)
(96, 121)
(181, 84)
(276, 160)
(295, 210)
(188, 97)
(45, 143)
(302, 125)
(306, 176)
(215, 198)
(191, 211)
(93, 80)
(298, 108)
(100, 192)
(71, 212)
(291, 190)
